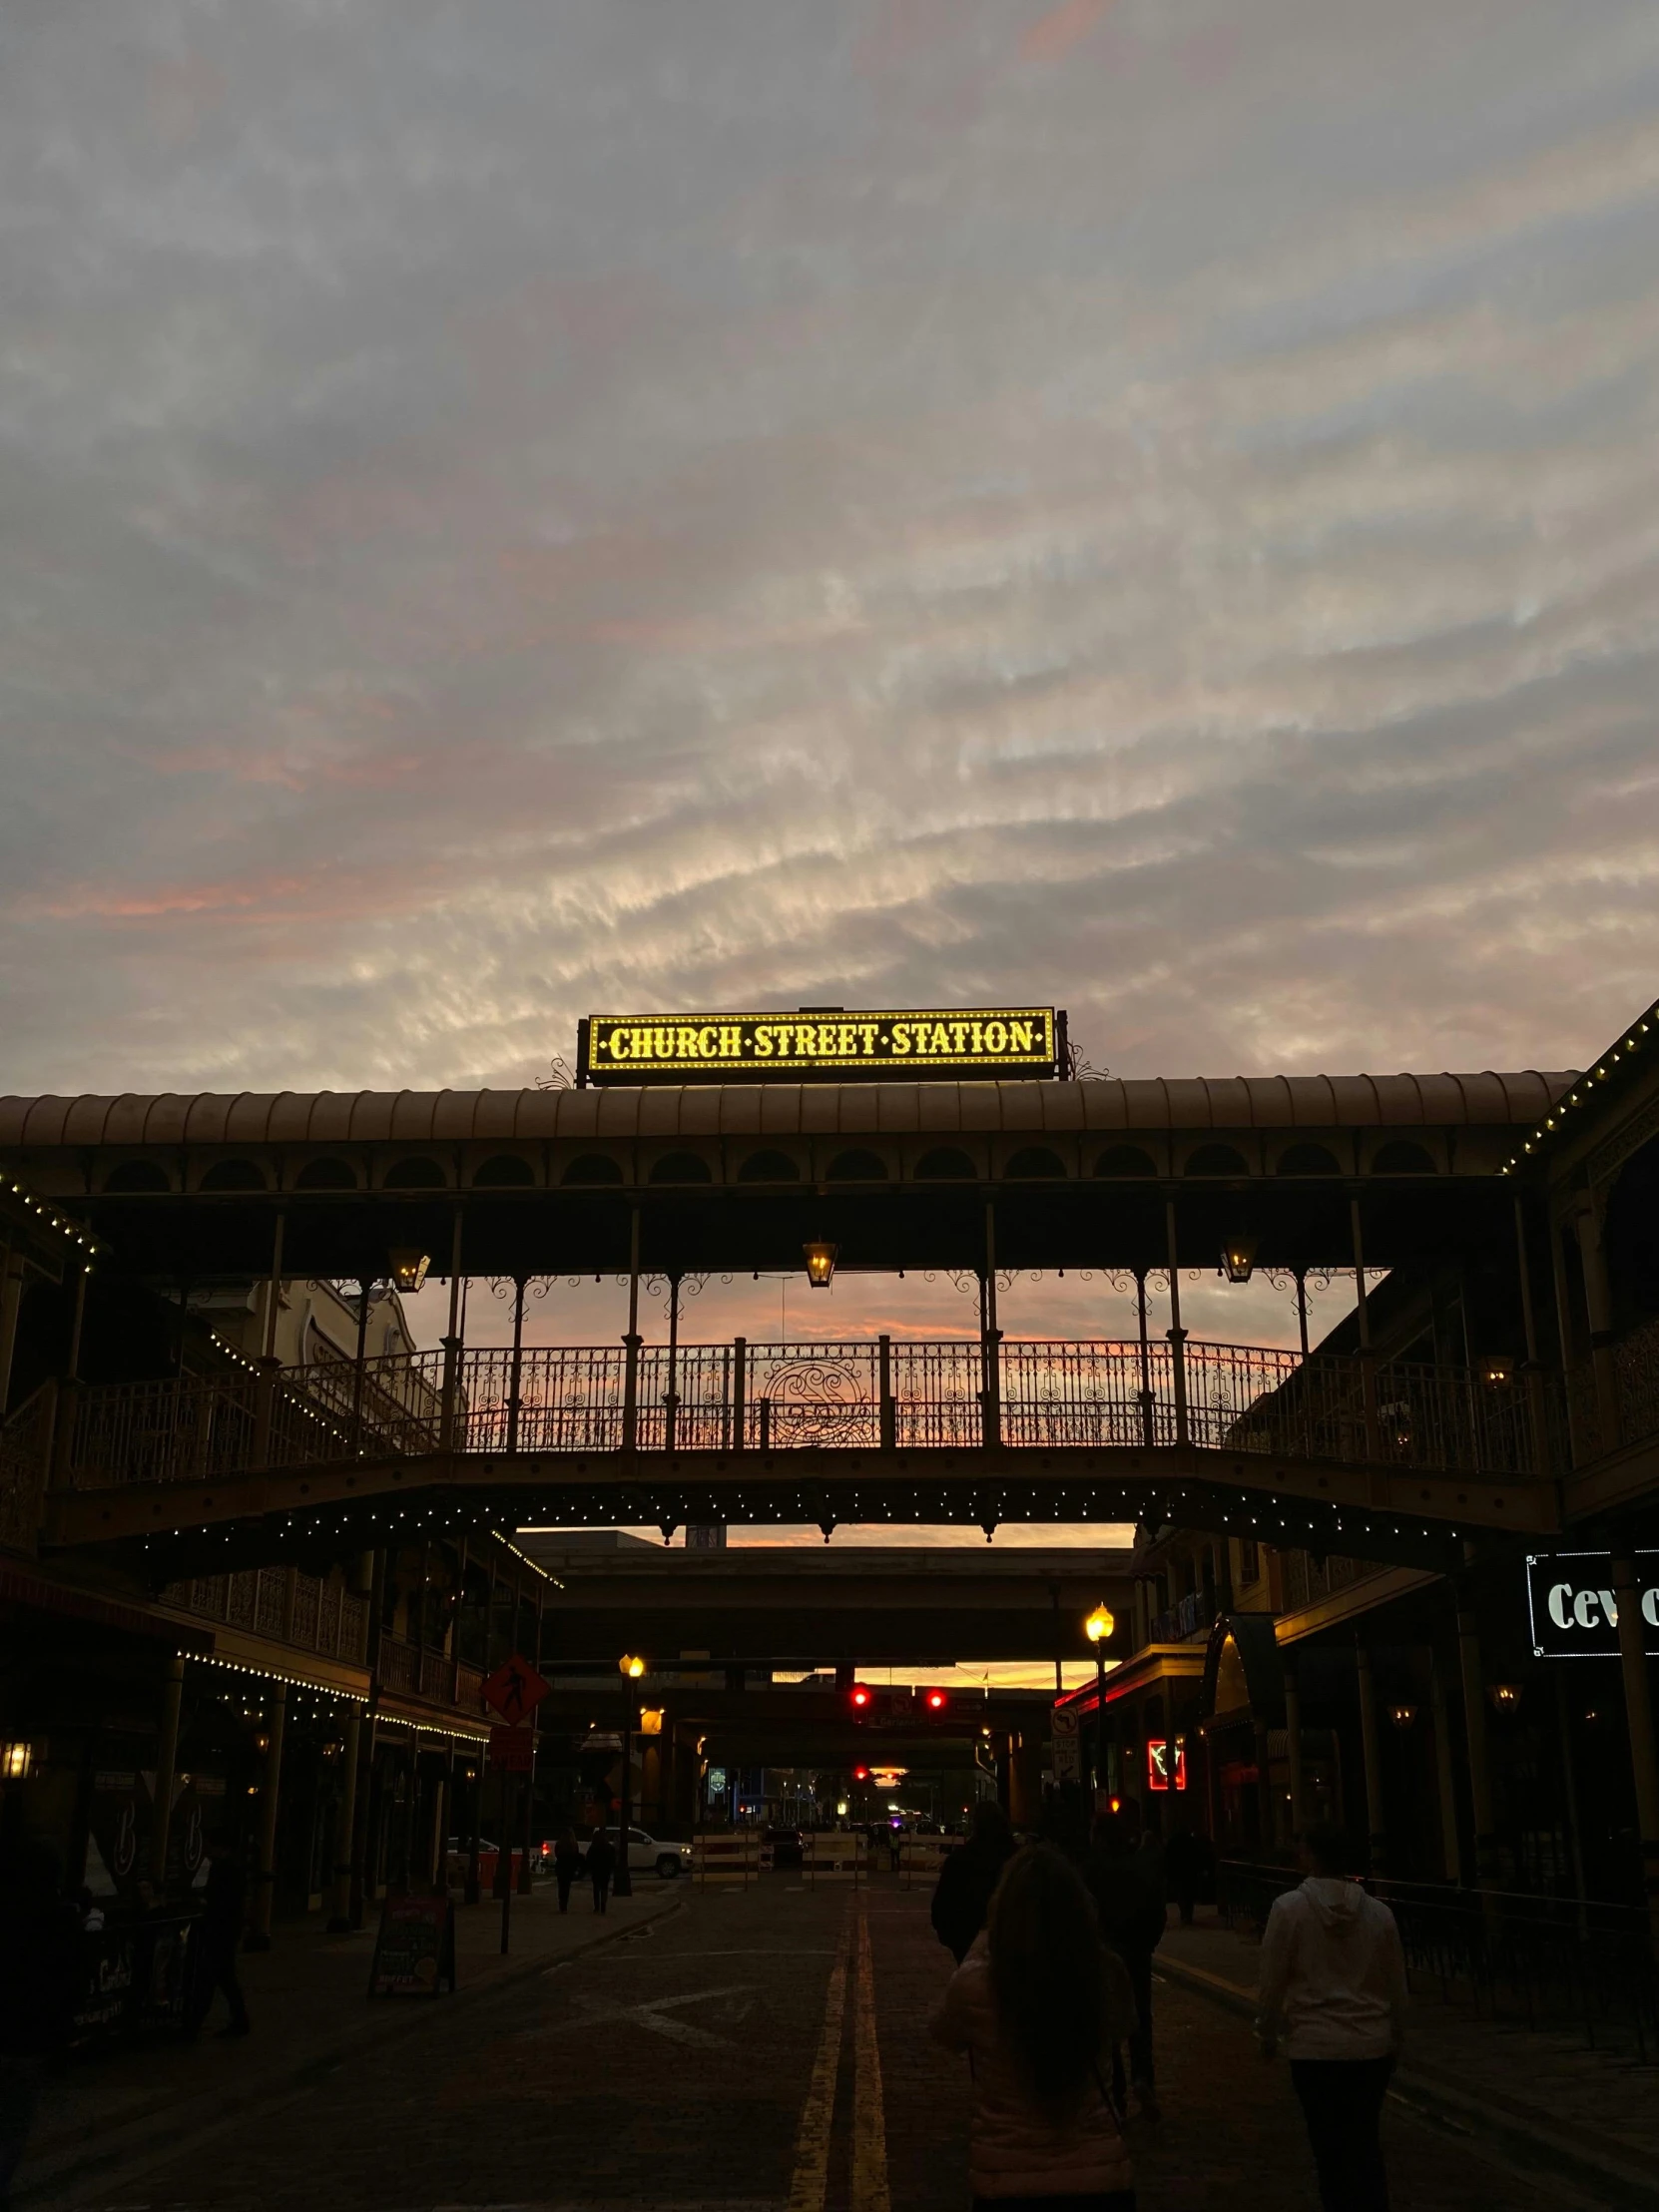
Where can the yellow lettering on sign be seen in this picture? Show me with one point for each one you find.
(939, 1042)
(996, 1035)
(1023, 1035)
(901, 1038)
(866, 1038)
(615, 1042)
(763, 1040)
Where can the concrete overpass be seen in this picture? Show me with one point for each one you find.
(804, 1606)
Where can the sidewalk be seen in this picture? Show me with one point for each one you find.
(1589, 2116)
(307, 1999)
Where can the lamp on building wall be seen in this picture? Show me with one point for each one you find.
(1497, 1367)
(1403, 1715)
(1505, 1696)
(820, 1265)
(1238, 1258)
(409, 1266)
(651, 1720)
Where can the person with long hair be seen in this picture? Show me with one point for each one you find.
(1037, 2005)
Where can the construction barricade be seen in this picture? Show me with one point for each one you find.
(730, 1861)
(829, 1856)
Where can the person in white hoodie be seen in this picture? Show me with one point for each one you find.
(1334, 1993)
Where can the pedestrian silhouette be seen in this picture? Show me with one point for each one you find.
(1334, 1992)
(218, 1932)
(968, 1878)
(567, 1865)
(601, 1864)
(1036, 2004)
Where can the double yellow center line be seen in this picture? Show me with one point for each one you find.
(869, 2128)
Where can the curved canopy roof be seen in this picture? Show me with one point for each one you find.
(435, 1117)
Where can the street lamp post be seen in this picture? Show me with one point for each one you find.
(1098, 1628)
(632, 1668)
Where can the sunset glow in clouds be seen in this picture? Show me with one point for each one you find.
(522, 509)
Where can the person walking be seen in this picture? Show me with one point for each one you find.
(1332, 1991)
(1132, 1914)
(1036, 2004)
(567, 1865)
(1184, 1867)
(218, 1933)
(601, 1866)
(968, 1878)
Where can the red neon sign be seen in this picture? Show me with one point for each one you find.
(1166, 1765)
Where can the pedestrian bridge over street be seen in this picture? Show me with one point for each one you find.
(1396, 1459)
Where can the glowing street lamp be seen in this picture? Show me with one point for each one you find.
(820, 1265)
(631, 1665)
(1098, 1627)
(409, 1267)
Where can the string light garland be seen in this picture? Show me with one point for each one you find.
(1599, 1074)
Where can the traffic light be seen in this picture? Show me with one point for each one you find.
(860, 1774)
(934, 1702)
(859, 1697)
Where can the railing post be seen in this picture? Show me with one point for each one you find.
(1149, 1432)
(740, 1382)
(889, 1412)
(766, 1424)
(671, 1397)
(515, 1385)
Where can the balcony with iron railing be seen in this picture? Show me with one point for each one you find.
(883, 1394)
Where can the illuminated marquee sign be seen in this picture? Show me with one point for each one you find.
(823, 1045)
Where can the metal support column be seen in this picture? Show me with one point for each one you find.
(671, 1397)
(365, 1289)
(1177, 1335)
(11, 1301)
(275, 1726)
(739, 1390)
(449, 1411)
(1452, 1850)
(889, 1412)
(1293, 1754)
(345, 1819)
(1371, 1744)
(990, 1344)
(517, 1377)
(1638, 1716)
(1149, 1433)
(630, 1368)
(1474, 1730)
(1598, 1297)
(1368, 1358)
(167, 1761)
(265, 1388)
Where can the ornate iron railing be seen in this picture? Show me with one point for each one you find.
(866, 1394)
(310, 1614)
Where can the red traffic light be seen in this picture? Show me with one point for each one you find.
(936, 1701)
(861, 1697)
(860, 1774)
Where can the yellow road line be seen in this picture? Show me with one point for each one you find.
(811, 2143)
(869, 2123)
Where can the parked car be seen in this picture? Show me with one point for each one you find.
(785, 1846)
(647, 1856)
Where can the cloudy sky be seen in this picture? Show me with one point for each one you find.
(548, 504)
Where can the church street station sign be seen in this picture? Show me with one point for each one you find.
(824, 1045)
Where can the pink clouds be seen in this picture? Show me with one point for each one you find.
(1054, 35)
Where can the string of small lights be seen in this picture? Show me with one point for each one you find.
(1582, 1094)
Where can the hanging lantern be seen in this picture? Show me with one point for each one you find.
(1238, 1258)
(820, 1265)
